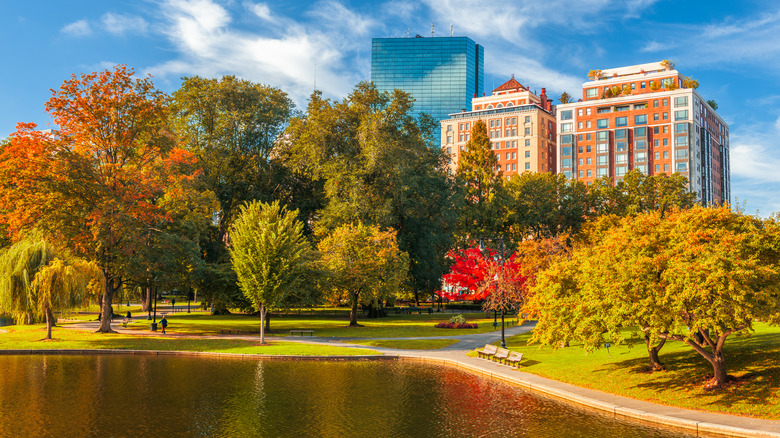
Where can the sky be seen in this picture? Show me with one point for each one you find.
(731, 48)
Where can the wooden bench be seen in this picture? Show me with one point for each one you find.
(302, 332)
(501, 355)
(514, 359)
(488, 351)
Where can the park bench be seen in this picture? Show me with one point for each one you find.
(501, 354)
(514, 359)
(302, 332)
(488, 351)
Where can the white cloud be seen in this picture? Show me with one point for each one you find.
(78, 28)
(531, 73)
(654, 46)
(123, 24)
(261, 10)
(210, 46)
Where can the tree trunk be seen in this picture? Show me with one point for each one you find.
(353, 313)
(146, 299)
(262, 323)
(719, 369)
(49, 322)
(267, 321)
(652, 350)
(106, 311)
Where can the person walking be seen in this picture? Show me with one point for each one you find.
(163, 323)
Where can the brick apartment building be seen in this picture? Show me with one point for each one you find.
(644, 117)
(521, 126)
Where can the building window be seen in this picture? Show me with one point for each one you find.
(498, 123)
(589, 160)
(655, 130)
(640, 106)
(601, 172)
(680, 128)
(656, 116)
(657, 168)
(587, 111)
(449, 139)
(621, 133)
(591, 92)
(680, 101)
(449, 128)
(587, 124)
(640, 132)
(620, 170)
(666, 142)
(657, 155)
(514, 166)
(681, 154)
(588, 173)
(508, 167)
(527, 166)
(528, 154)
(579, 112)
(642, 168)
(528, 142)
(681, 115)
(580, 174)
(655, 143)
(508, 155)
(682, 167)
(567, 127)
(602, 123)
(622, 108)
(579, 125)
(619, 158)
(566, 115)
(666, 156)
(666, 129)
(640, 119)
(461, 137)
(642, 85)
(621, 121)
(527, 131)
(640, 156)
(604, 110)
(655, 103)
(621, 146)
(666, 167)
(665, 102)
(640, 144)
(601, 160)
(527, 119)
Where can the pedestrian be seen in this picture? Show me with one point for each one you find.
(173, 304)
(163, 323)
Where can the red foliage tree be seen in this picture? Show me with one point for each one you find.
(477, 276)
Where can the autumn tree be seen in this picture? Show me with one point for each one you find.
(94, 184)
(565, 97)
(697, 276)
(377, 165)
(364, 263)
(269, 254)
(38, 279)
(482, 178)
(638, 193)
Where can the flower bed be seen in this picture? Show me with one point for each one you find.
(453, 325)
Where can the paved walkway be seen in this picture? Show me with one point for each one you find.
(696, 422)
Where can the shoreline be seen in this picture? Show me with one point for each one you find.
(667, 417)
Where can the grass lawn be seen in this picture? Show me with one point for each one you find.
(31, 338)
(622, 370)
(408, 344)
(393, 326)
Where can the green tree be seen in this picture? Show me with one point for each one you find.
(364, 263)
(637, 193)
(544, 205)
(39, 279)
(482, 178)
(269, 254)
(231, 126)
(713, 104)
(377, 166)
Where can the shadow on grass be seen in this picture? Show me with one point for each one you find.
(752, 360)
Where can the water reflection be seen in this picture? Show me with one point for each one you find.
(195, 397)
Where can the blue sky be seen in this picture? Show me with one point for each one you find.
(732, 48)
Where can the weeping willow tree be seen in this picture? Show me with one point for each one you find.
(37, 279)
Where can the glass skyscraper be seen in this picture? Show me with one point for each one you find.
(441, 73)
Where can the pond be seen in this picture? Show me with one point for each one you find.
(169, 396)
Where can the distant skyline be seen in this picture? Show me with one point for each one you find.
(732, 48)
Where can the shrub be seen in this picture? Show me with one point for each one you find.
(452, 325)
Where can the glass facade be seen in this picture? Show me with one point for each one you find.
(441, 73)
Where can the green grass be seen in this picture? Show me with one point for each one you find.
(408, 344)
(393, 326)
(623, 371)
(31, 338)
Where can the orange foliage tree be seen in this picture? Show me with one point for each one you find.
(95, 183)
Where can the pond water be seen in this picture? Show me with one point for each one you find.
(108, 395)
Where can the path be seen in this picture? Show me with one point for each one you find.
(697, 422)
